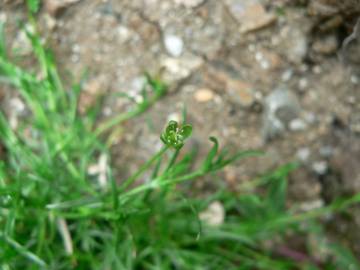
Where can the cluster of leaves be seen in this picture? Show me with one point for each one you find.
(174, 136)
(54, 215)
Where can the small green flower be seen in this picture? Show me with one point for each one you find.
(175, 135)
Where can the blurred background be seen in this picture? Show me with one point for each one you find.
(281, 76)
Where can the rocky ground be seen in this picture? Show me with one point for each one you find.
(281, 76)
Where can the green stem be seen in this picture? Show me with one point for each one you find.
(70, 166)
(142, 107)
(143, 168)
(116, 121)
(114, 190)
(157, 183)
(173, 159)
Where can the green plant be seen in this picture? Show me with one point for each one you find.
(54, 215)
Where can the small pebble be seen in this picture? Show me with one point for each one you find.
(174, 117)
(3, 17)
(317, 69)
(107, 111)
(303, 84)
(203, 95)
(354, 79)
(308, 206)
(310, 118)
(303, 154)
(326, 151)
(241, 91)
(286, 76)
(214, 215)
(281, 108)
(297, 124)
(17, 105)
(55, 7)
(124, 33)
(174, 45)
(251, 15)
(189, 3)
(326, 45)
(320, 167)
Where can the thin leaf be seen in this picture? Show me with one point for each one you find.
(23, 251)
(33, 5)
(2, 41)
(344, 257)
(211, 155)
(276, 195)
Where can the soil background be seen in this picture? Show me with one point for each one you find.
(280, 76)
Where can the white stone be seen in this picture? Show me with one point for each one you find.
(174, 45)
(303, 154)
(138, 83)
(303, 83)
(174, 117)
(179, 68)
(204, 95)
(310, 118)
(99, 169)
(354, 79)
(320, 167)
(326, 151)
(297, 124)
(281, 107)
(214, 215)
(286, 76)
(17, 105)
(188, 3)
(124, 33)
(3, 17)
(107, 111)
(22, 44)
(308, 206)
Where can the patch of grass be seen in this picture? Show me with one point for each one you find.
(55, 215)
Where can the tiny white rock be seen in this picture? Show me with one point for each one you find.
(320, 167)
(174, 117)
(17, 105)
(188, 3)
(311, 205)
(174, 45)
(203, 95)
(214, 215)
(297, 124)
(3, 17)
(303, 154)
(99, 169)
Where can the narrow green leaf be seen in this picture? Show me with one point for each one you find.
(276, 195)
(211, 155)
(2, 42)
(23, 251)
(33, 5)
(344, 257)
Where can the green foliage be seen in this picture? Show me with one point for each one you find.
(33, 5)
(175, 136)
(344, 259)
(2, 41)
(55, 215)
(216, 160)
